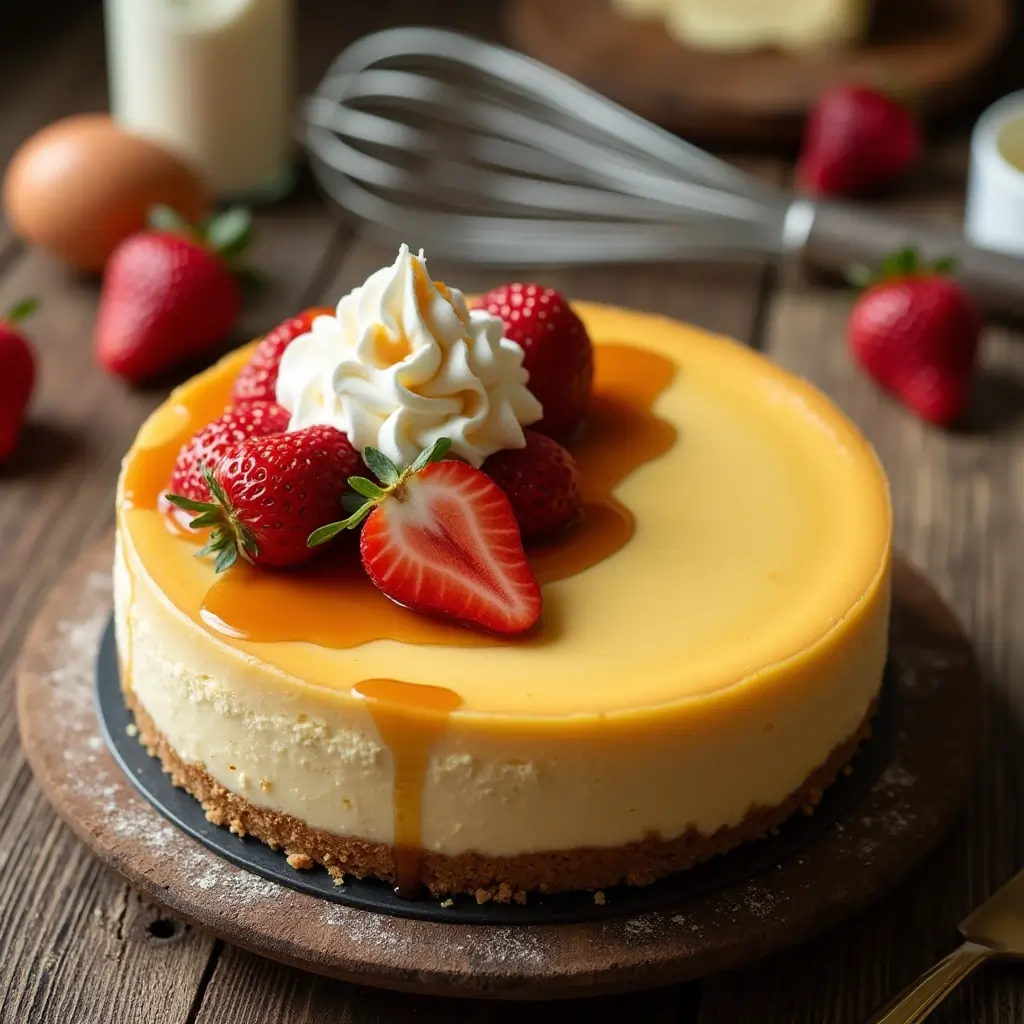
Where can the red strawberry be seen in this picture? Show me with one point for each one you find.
(541, 483)
(559, 356)
(916, 331)
(258, 380)
(216, 439)
(170, 295)
(17, 375)
(269, 493)
(856, 138)
(440, 538)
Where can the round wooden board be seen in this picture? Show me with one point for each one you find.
(931, 50)
(903, 814)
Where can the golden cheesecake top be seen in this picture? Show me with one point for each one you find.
(737, 524)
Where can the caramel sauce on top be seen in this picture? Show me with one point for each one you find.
(332, 603)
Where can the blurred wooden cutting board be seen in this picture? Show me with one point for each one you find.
(932, 50)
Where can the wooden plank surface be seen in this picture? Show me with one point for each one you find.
(78, 945)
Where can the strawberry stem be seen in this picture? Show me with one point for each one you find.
(229, 536)
(369, 495)
(905, 262)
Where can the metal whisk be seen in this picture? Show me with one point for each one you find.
(484, 155)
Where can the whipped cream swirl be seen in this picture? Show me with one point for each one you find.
(403, 363)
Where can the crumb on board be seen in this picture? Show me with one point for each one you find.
(300, 861)
(599, 898)
(448, 902)
(131, 729)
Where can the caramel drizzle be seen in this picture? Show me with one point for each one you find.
(409, 717)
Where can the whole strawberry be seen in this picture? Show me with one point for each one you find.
(559, 356)
(17, 375)
(170, 295)
(208, 445)
(541, 483)
(916, 331)
(440, 538)
(856, 138)
(269, 492)
(257, 380)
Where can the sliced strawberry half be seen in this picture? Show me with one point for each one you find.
(441, 538)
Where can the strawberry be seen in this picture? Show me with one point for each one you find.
(269, 492)
(916, 331)
(170, 295)
(541, 483)
(440, 538)
(559, 356)
(257, 381)
(856, 138)
(17, 375)
(216, 439)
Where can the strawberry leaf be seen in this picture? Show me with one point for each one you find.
(22, 310)
(330, 531)
(230, 233)
(367, 488)
(381, 467)
(859, 275)
(247, 545)
(209, 518)
(226, 558)
(220, 498)
(190, 504)
(163, 218)
(352, 502)
(900, 263)
(435, 453)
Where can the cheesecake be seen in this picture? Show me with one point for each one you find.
(709, 654)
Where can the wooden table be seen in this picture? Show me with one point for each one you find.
(77, 945)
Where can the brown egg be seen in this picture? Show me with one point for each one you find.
(80, 186)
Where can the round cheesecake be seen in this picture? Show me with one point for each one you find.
(711, 649)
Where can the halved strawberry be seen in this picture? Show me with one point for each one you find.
(208, 445)
(440, 537)
(257, 380)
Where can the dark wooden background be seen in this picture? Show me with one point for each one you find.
(77, 945)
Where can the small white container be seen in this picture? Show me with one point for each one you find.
(995, 189)
(212, 80)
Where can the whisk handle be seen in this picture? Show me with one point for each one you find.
(842, 235)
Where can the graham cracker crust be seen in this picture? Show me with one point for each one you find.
(487, 878)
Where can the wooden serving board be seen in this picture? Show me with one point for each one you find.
(901, 816)
(934, 51)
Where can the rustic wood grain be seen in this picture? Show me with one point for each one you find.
(289, 995)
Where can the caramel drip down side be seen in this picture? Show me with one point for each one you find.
(409, 718)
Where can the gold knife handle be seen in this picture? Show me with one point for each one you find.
(918, 1000)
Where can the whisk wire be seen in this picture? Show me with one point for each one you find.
(486, 154)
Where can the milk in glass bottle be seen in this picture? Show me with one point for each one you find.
(211, 79)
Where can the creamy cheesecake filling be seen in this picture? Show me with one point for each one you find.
(290, 748)
(702, 662)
